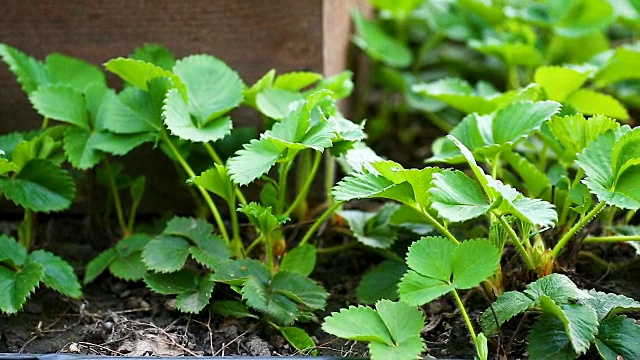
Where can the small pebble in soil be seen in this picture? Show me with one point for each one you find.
(257, 346)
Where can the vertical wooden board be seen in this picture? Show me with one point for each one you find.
(252, 36)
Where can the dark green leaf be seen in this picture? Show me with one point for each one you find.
(618, 336)
(301, 260)
(130, 267)
(299, 289)
(236, 272)
(379, 45)
(580, 322)
(607, 305)
(372, 229)
(194, 229)
(234, 308)
(548, 340)
(381, 282)
(58, 274)
(12, 251)
(506, 306)
(99, 264)
(166, 253)
(80, 148)
(16, 287)
(258, 296)
(172, 283)
(155, 54)
(194, 300)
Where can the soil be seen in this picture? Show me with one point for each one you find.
(125, 318)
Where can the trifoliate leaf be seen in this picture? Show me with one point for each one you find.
(253, 161)
(177, 117)
(12, 251)
(381, 282)
(372, 229)
(580, 322)
(301, 260)
(40, 186)
(99, 264)
(138, 73)
(72, 72)
(506, 306)
(17, 286)
(473, 262)
(58, 274)
(216, 180)
(166, 253)
(155, 54)
(372, 39)
(456, 197)
(548, 340)
(62, 103)
(618, 337)
(275, 103)
(172, 283)
(590, 102)
(194, 300)
(559, 82)
(557, 287)
(29, 72)
(608, 305)
(213, 88)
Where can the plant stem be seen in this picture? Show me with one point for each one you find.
(282, 185)
(330, 174)
(216, 158)
(516, 242)
(126, 231)
(319, 221)
(45, 122)
(437, 225)
(337, 248)
(617, 238)
(513, 77)
(585, 219)
(238, 247)
(203, 191)
(567, 201)
(304, 190)
(495, 166)
(268, 249)
(25, 230)
(463, 311)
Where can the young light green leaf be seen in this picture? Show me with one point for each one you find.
(580, 322)
(590, 102)
(419, 179)
(299, 339)
(217, 180)
(372, 39)
(166, 253)
(432, 257)
(372, 229)
(30, 72)
(253, 160)
(138, 73)
(261, 217)
(458, 94)
(473, 262)
(211, 251)
(535, 181)
(548, 340)
(506, 306)
(520, 119)
(296, 81)
(360, 323)
(618, 337)
(73, 72)
(301, 260)
(178, 118)
(40, 186)
(62, 103)
(623, 64)
(12, 251)
(381, 282)
(17, 286)
(58, 274)
(608, 305)
(213, 88)
(417, 290)
(559, 82)
(456, 197)
(194, 300)
(155, 54)
(266, 81)
(575, 132)
(276, 103)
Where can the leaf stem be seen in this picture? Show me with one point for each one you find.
(282, 185)
(567, 201)
(45, 122)
(617, 238)
(304, 190)
(126, 231)
(25, 230)
(337, 248)
(319, 221)
(437, 224)
(203, 191)
(585, 219)
(463, 311)
(330, 174)
(516, 241)
(216, 158)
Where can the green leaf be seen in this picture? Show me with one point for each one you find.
(16, 287)
(194, 229)
(535, 181)
(264, 82)
(58, 274)
(131, 111)
(580, 322)
(456, 197)
(155, 54)
(611, 169)
(506, 306)
(535, 211)
(432, 257)
(275, 103)
(299, 339)
(372, 229)
(259, 296)
(30, 72)
(216, 180)
(139, 73)
(420, 180)
(297, 80)
(618, 335)
(559, 82)
(130, 267)
(172, 283)
(236, 272)
(622, 65)
(548, 340)
(99, 264)
(73, 72)
(590, 102)
(583, 17)
(575, 132)
(40, 186)
(417, 290)
(12, 251)
(213, 88)
(362, 186)
(166, 253)
(211, 252)
(473, 262)
(253, 161)
(381, 282)
(399, 9)
(261, 217)
(301, 260)
(194, 300)
(607, 305)
(299, 289)
(116, 144)
(458, 94)
(557, 287)
(520, 119)
(372, 39)
(177, 117)
(61, 102)
(79, 146)
(234, 308)
(360, 323)
(511, 53)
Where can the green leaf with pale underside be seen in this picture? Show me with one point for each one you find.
(456, 197)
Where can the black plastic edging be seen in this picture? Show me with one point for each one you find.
(5, 356)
